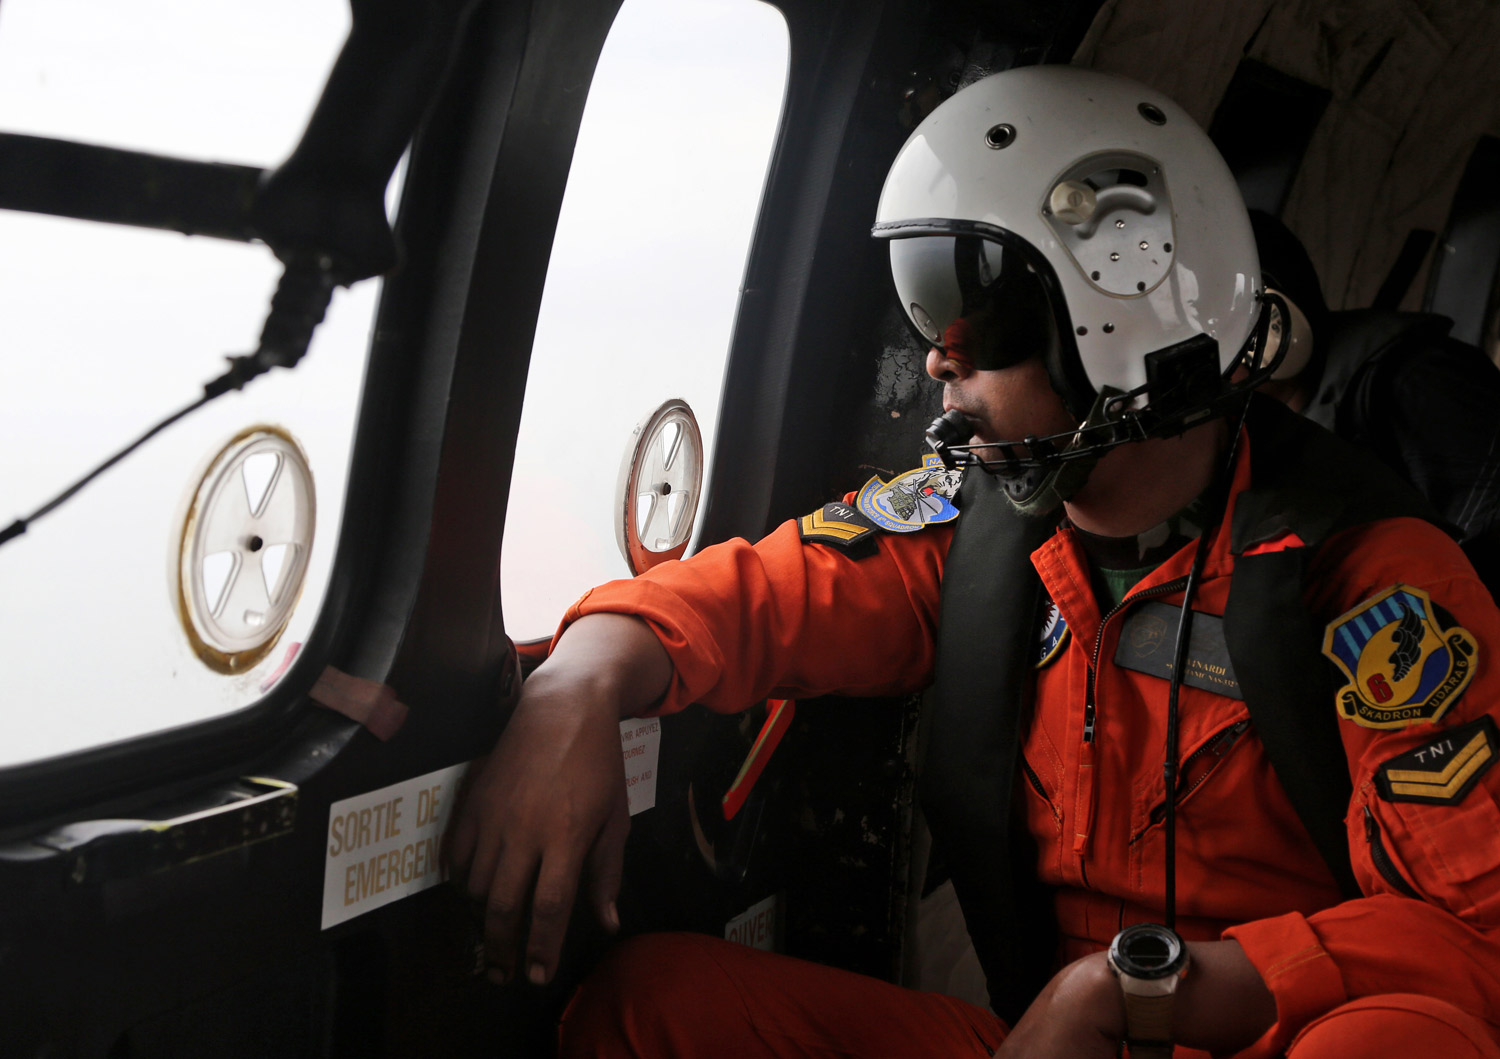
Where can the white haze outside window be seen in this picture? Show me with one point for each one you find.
(644, 278)
(104, 330)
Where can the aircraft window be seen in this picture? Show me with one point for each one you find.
(211, 81)
(108, 329)
(644, 279)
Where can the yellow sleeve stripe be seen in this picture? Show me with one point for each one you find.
(844, 531)
(1461, 760)
(1447, 783)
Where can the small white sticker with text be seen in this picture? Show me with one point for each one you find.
(387, 844)
(755, 926)
(640, 742)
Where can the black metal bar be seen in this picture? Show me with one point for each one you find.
(91, 183)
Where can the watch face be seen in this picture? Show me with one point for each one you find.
(1147, 950)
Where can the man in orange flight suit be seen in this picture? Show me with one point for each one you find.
(1162, 514)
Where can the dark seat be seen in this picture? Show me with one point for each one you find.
(1400, 386)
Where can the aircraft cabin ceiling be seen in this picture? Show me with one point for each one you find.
(1411, 86)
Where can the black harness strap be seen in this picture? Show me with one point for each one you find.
(1308, 482)
(973, 740)
(1274, 647)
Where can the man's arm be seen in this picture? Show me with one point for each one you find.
(549, 800)
(1429, 868)
(724, 629)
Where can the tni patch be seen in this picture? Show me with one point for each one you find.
(1442, 770)
(1403, 666)
(836, 524)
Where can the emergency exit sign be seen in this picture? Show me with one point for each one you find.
(387, 844)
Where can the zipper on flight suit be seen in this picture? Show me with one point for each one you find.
(1383, 863)
(1034, 779)
(1162, 589)
(1084, 803)
(1195, 770)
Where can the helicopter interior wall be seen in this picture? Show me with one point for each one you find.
(1412, 87)
(110, 950)
(824, 831)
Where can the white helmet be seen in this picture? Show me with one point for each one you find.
(1120, 206)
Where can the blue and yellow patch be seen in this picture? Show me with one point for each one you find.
(1403, 667)
(911, 501)
(1052, 636)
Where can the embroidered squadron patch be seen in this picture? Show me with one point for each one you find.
(1052, 636)
(1403, 667)
(1441, 771)
(836, 524)
(910, 501)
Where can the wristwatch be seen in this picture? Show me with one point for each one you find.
(1150, 961)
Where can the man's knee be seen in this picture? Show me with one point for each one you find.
(1397, 1024)
(647, 997)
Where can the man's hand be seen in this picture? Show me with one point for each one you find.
(1222, 1006)
(548, 802)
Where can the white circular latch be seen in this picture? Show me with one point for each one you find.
(243, 548)
(656, 496)
(1073, 202)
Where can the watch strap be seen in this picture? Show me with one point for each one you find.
(1148, 1026)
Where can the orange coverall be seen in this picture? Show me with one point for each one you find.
(784, 618)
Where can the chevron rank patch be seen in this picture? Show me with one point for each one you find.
(1052, 634)
(836, 524)
(1443, 769)
(1403, 664)
(910, 501)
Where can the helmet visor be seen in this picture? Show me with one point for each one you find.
(974, 299)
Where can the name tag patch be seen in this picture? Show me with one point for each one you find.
(1149, 637)
(1443, 769)
(1404, 667)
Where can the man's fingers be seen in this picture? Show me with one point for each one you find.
(505, 907)
(606, 864)
(551, 906)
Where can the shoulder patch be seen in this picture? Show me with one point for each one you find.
(836, 524)
(1052, 635)
(1403, 664)
(911, 501)
(1443, 769)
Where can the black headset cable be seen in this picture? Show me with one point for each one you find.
(1179, 660)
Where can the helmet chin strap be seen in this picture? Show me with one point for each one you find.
(1039, 491)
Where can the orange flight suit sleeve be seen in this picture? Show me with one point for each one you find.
(789, 619)
(1445, 941)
